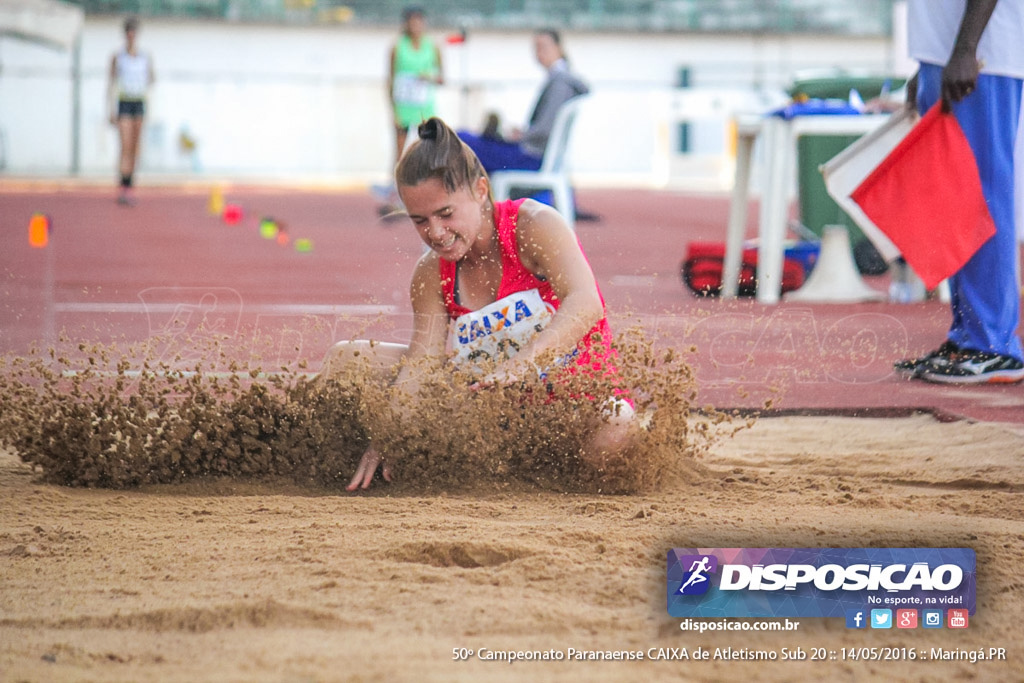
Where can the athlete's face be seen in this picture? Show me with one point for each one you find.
(415, 25)
(448, 223)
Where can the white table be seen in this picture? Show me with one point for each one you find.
(776, 167)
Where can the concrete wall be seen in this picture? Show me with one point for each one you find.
(267, 102)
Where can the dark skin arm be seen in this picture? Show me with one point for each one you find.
(960, 76)
(391, 83)
(439, 78)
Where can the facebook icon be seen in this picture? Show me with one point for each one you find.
(856, 618)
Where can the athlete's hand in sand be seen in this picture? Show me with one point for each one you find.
(367, 467)
(497, 377)
(517, 370)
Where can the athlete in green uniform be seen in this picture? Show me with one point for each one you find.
(415, 73)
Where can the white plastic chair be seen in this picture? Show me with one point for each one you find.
(553, 173)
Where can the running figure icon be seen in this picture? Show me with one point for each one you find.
(697, 573)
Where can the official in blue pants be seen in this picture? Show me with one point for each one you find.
(972, 59)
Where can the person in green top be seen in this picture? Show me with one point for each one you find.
(414, 74)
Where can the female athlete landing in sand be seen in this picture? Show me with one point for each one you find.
(498, 275)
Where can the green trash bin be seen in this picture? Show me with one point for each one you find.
(838, 86)
(817, 208)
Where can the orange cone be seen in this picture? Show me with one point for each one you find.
(39, 231)
(215, 206)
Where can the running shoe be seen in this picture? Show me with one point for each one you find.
(975, 367)
(126, 197)
(390, 213)
(940, 357)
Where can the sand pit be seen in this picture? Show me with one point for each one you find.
(229, 581)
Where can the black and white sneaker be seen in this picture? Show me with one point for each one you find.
(975, 367)
(940, 357)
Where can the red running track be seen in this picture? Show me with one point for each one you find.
(167, 267)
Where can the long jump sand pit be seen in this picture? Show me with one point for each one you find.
(221, 580)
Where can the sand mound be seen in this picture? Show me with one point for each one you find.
(267, 580)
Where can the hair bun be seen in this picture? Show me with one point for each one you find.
(428, 130)
(440, 154)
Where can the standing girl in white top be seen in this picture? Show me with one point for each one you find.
(131, 75)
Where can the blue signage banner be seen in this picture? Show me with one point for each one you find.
(817, 582)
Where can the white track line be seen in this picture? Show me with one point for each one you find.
(183, 374)
(259, 309)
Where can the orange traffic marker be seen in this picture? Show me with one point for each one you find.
(268, 228)
(39, 230)
(216, 204)
(232, 214)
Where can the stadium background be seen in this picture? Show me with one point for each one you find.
(294, 89)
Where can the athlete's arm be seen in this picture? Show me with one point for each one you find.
(391, 81)
(439, 76)
(112, 91)
(548, 248)
(430, 330)
(429, 315)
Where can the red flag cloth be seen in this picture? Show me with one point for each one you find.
(926, 196)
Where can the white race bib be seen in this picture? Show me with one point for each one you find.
(411, 90)
(499, 330)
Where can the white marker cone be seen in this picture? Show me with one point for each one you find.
(835, 277)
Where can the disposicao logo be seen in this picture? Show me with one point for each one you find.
(818, 582)
(696, 579)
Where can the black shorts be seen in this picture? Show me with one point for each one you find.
(134, 109)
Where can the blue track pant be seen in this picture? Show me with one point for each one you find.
(985, 293)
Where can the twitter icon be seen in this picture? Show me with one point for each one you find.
(881, 618)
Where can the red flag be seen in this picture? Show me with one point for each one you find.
(926, 196)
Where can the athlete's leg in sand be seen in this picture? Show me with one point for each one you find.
(613, 436)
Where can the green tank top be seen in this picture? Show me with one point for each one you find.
(414, 97)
